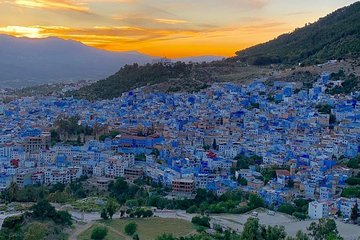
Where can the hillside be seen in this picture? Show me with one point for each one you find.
(26, 62)
(332, 37)
(176, 77)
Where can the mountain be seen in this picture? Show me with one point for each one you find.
(25, 62)
(332, 37)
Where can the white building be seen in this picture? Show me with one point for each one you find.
(318, 210)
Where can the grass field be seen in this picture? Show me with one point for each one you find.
(148, 229)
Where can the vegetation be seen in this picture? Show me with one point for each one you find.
(43, 223)
(351, 192)
(355, 212)
(243, 162)
(333, 37)
(325, 229)
(324, 109)
(350, 84)
(354, 180)
(110, 135)
(99, 233)
(130, 228)
(133, 76)
(354, 162)
(298, 209)
(202, 221)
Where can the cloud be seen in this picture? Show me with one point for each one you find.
(19, 31)
(170, 21)
(54, 5)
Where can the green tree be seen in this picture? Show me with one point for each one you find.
(323, 229)
(242, 181)
(214, 145)
(287, 208)
(63, 217)
(251, 230)
(36, 231)
(166, 237)
(104, 215)
(355, 212)
(201, 221)
(99, 233)
(130, 228)
(135, 236)
(43, 210)
(111, 207)
(299, 236)
(273, 232)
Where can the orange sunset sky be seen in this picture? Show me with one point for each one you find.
(171, 28)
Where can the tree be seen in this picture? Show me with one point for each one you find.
(322, 230)
(251, 230)
(273, 232)
(355, 212)
(214, 145)
(10, 192)
(166, 237)
(299, 236)
(287, 208)
(242, 181)
(130, 228)
(63, 217)
(99, 233)
(201, 221)
(104, 215)
(43, 210)
(13, 222)
(36, 231)
(111, 207)
(255, 201)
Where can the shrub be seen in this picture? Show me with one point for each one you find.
(99, 233)
(130, 228)
(201, 221)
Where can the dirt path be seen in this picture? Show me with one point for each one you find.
(79, 229)
(117, 232)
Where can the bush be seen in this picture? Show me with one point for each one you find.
(99, 233)
(201, 221)
(130, 228)
(63, 217)
(287, 208)
(13, 222)
(192, 209)
(300, 215)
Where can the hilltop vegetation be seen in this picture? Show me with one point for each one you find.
(332, 37)
(176, 77)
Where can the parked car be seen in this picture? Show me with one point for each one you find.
(271, 213)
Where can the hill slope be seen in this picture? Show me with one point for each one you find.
(179, 76)
(335, 36)
(26, 62)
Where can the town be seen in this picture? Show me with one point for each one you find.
(281, 141)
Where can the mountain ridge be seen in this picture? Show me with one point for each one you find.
(337, 35)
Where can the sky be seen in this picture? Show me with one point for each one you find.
(166, 28)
